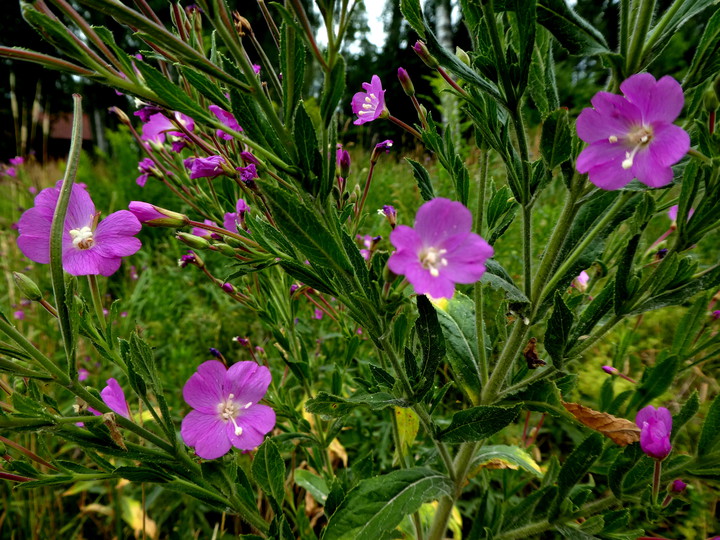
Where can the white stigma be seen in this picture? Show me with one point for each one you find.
(82, 238)
(628, 161)
(612, 139)
(432, 259)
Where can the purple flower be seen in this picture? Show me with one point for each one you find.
(248, 174)
(342, 161)
(256, 69)
(678, 486)
(248, 158)
(158, 126)
(204, 233)
(581, 281)
(88, 247)
(367, 241)
(17, 160)
(114, 398)
(228, 288)
(633, 136)
(19, 315)
(318, 314)
(233, 219)
(440, 250)
(390, 213)
(209, 167)
(655, 427)
(83, 374)
(10, 171)
(716, 314)
(370, 104)
(405, 81)
(146, 112)
(146, 168)
(216, 353)
(227, 119)
(188, 258)
(225, 406)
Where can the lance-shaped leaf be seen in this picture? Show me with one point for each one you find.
(575, 467)
(432, 344)
(268, 469)
(377, 505)
(335, 406)
(558, 330)
(478, 423)
(710, 435)
(502, 456)
(572, 31)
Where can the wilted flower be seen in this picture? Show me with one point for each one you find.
(581, 281)
(440, 250)
(225, 406)
(248, 173)
(88, 247)
(655, 427)
(390, 213)
(633, 136)
(188, 258)
(226, 118)
(208, 167)
(370, 104)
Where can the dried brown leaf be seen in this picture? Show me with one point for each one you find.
(620, 430)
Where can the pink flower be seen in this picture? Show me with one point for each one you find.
(233, 219)
(158, 126)
(633, 136)
(581, 282)
(155, 216)
(114, 398)
(89, 247)
(83, 374)
(370, 104)
(673, 210)
(248, 173)
(146, 168)
(440, 250)
(227, 119)
(655, 427)
(256, 69)
(209, 167)
(204, 233)
(226, 411)
(17, 160)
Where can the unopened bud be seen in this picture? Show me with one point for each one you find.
(716, 86)
(195, 242)
(710, 100)
(27, 287)
(155, 216)
(225, 249)
(121, 115)
(462, 56)
(406, 82)
(380, 147)
(678, 486)
(342, 158)
(422, 51)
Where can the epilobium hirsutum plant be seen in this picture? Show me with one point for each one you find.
(411, 380)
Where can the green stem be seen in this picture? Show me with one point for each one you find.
(478, 289)
(462, 464)
(586, 241)
(57, 231)
(642, 23)
(594, 338)
(504, 364)
(488, 11)
(657, 473)
(661, 25)
(527, 249)
(97, 301)
(553, 246)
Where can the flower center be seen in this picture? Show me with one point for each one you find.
(82, 238)
(229, 411)
(432, 259)
(639, 138)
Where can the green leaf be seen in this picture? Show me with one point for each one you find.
(172, 94)
(413, 15)
(313, 484)
(655, 381)
(623, 463)
(575, 467)
(687, 329)
(542, 396)
(432, 344)
(572, 31)
(376, 506)
(520, 514)
(335, 406)
(687, 10)
(510, 455)
(556, 140)
(307, 146)
(422, 177)
(496, 276)
(292, 62)
(710, 434)
(457, 319)
(478, 423)
(205, 86)
(268, 469)
(541, 79)
(333, 90)
(688, 410)
(558, 331)
(706, 62)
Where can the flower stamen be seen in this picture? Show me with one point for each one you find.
(432, 259)
(82, 238)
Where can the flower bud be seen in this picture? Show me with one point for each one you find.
(462, 56)
(225, 249)
(710, 100)
(155, 216)
(195, 242)
(390, 213)
(342, 158)
(379, 148)
(27, 287)
(121, 115)
(422, 51)
(678, 487)
(405, 82)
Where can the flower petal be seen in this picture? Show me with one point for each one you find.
(247, 381)
(203, 390)
(617, 107)
(592, 126)
(466, 263)
(660, 101)
(255, 422)
(206, 433)
(81, 209)
(600, 152)
(114, 398)
(114, 236)
(610, 175)
(649, 171)
(441, 218)
(669, 144)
